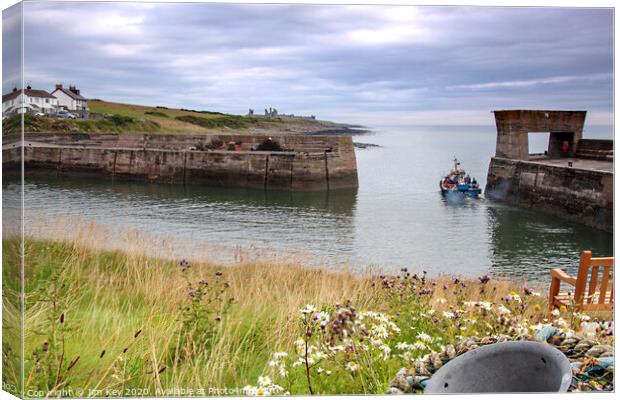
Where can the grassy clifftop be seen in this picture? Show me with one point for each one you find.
(109, 117)
(100, 321)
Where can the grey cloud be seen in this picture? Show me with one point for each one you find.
(325, 60)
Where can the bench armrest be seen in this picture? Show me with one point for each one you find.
(563, 276)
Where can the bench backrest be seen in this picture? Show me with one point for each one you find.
(587, 290)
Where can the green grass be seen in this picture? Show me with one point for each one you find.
(230, 121)
(109, 117)
(135, 323)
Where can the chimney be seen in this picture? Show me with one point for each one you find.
(72, 88)
(77, 91)
(59, 86)
(15, 89)
(28, 87)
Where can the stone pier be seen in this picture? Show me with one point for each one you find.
(307, 163)
(572, 180)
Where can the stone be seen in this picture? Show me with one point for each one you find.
(400, 381)
(393, 390)
(599, 349)
(583, 346)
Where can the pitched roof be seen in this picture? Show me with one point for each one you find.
(71, 94)
(28, 92)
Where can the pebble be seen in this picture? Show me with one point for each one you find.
(599, 349)
(401, 382)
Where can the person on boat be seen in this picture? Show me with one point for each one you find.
(474, 183)
(467, 179)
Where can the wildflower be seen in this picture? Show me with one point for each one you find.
(380, 331)
(352, 366)
(328, 372)
(218, 274)
(441, 300)
(250, 390)
(218, 317)
(309, 309)
(264, 381)
(484, 279)
(555, 313)
(202, 281)
(386, 350)
(537, 307)
(418, 345)
(514, 297)
(184, 264)
(582, 317)
(449, 314)
(502, 310)
(402, 346)
(191, 292)
(424, 337)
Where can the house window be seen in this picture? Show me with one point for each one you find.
(47, 100)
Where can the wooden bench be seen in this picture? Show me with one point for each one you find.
(598, 296)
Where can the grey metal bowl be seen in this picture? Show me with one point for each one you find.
(519, 366)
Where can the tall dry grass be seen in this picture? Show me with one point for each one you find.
(99, 321)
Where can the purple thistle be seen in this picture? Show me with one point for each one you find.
(484, 279)
(184, 264)
(191, 292)
(202, 281)
(527, 290)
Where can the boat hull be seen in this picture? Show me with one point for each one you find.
(463, 190)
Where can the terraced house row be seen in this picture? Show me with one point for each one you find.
(41, 102)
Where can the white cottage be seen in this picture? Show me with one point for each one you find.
(70, 99)
(28, 101)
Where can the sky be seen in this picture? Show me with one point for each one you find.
(372, 65)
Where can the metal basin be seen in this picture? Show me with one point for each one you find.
(504, 367)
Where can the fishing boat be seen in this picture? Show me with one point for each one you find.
(458, 182)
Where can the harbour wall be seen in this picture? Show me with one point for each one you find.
(580, 195)
(309, 163)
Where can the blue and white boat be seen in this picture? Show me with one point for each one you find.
(458, 183)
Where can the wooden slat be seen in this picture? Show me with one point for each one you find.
(582, 276)
(604, 282)
(602, 262)
(597, 307)
(593, 283)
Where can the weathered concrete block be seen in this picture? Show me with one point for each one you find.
(581, 195)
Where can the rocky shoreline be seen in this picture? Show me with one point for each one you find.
(592, 363)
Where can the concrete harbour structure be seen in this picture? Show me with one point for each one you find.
(307, 163)
(573, 179)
